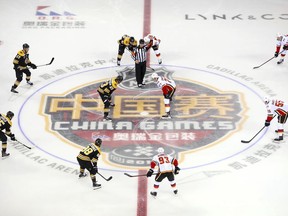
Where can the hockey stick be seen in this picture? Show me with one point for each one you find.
(23, 144)
(267, 61)
(248, 141)
(46, 64)
(138, 175)
(107, 179)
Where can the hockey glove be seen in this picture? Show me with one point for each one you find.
(276, 54)
(285, 47)
(176, 171)
(267, 123)
(33, 66)
(149, 173)
(13, 137)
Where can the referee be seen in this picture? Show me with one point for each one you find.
(139, 57)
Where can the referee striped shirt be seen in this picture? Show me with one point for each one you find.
(140, 53)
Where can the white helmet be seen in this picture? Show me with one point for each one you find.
(154, 75)
(160, 150)
(266, 100)
(146, 40)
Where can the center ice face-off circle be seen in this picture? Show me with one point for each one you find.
(134, 135)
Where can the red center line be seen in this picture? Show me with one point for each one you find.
(147, 24)
(142, 181)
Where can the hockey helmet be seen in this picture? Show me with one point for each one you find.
(119, 79)
(141, 41)
(160, 150)
(98, 142)
(132, 39)
(266, 100)
(146, 40)
(10, 114)
(154, 76)
(25, 45)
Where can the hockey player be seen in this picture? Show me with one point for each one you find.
(105, 91)
(125, 42)
(165, 165)
(152, 41)
(168, 87)
(279, 108)
(282, 40)
(21, 61)
(5, 124)
(88, 159)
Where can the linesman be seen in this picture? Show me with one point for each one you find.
(140, 55)
(21, 61)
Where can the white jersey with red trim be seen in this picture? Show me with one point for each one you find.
(152, 40)
(162, 81)
(164, 162)
(277, 107)
(282, 40)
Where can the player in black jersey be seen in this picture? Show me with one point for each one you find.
(5, 124)
(105, 90)
(21, 61)
(88, 159)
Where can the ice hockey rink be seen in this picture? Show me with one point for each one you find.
(208, 47)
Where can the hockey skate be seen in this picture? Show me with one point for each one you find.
(29, 83)
(13, 90)
(280, 61)
(167, 116)
(82, 175)
(280, 138)
(118, 62)
(159, 61)
(175, 191)
(4, 154)
(96, 186)
(107, 119)
(154, 194)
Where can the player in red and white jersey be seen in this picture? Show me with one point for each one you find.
(168, 87)
(282, 40)
(165, 164)
(152, 41)
(279, 108)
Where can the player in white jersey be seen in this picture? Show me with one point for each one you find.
(165, 165)
(152, 41)
(168, 87)
(282, 40)
(279, 108)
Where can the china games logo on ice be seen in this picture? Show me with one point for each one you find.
(202, 115)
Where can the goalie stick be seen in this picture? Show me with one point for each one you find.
(46, 64)
(267, 60)
(107, 179)
(248, 141)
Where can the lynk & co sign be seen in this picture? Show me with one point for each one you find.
(268, 16)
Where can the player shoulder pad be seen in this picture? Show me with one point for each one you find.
(126, 41)
(21, 53)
